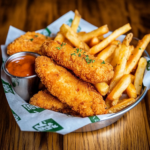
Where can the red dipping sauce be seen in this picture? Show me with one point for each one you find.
(22, 66)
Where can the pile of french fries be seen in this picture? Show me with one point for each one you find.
(126, 59)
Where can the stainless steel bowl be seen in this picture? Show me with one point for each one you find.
(116, 116)
(25, 87)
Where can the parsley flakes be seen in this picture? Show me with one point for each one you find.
(36, 35)
(79, 55)
(58, 48)
(73, 54)
(103, 62)
(31, 39)
(140, 48)
(63, 44)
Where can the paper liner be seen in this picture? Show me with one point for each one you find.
(32, 118)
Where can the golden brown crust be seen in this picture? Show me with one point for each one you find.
(78, 95)
(45, 100)
(85, 66)
(30, 42)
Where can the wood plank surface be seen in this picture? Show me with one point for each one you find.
(132, 131)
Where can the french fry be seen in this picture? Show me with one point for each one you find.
(121, 60)
(108, 103)
(107, 52)
(102, 88)
(115, 57)
(68, 42)
(81, 33)
(101, 37)
(94, 41)
(131, 91)
(120, 87)
(137, 53)
(132, 78)
(109, 59)
(97, 48)
(73, 37)
(100, 31)
(127, 39)
(59, 37)
(131, 48)
(76, 21)
(139, 75)
(114, 102)
(124, 103)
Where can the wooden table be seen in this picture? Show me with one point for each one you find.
(132, 131)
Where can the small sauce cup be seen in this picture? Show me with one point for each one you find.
(25, 87)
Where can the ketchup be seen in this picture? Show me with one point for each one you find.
(22, 66)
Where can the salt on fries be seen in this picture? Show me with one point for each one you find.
(125, 59)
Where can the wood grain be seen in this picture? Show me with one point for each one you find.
(132, 131)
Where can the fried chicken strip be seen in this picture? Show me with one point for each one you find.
(30, 42)
(85, 66)
(45, 100)
(78, 95)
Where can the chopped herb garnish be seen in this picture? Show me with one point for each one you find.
(79, 55)
(77, 50)
(118, 42)
(36, 35)
(31, 39)
(93, 61)
(58, 48)
(140, 48)
(103, 62)
(63, 44)
(139, 85)
(46, 37)
(73, 54)
(80, 50)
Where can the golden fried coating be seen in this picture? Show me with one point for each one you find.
(45, 100)
(30, 42)
(78, 95)
(85, 66)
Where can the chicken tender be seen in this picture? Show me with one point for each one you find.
(30, 42)
(45, 100)
(78, 95)
(85, 66)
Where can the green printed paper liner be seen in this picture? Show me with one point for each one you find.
(32, 118)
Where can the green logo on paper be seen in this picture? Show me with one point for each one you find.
(17, 118)
(32, 109)
(46, 32)
(7, 87)
(94, 119)
(69, 22)
(148, 65)
(48, 125)
(15, 82)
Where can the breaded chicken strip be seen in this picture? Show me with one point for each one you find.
(45, 100)
(30, 42)
(78, 95)
(85, 66)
